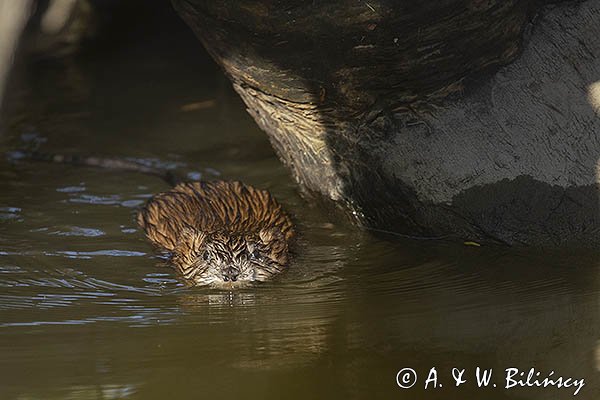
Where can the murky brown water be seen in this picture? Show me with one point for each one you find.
(87, 311)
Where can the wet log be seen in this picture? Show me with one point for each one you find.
(475, 120)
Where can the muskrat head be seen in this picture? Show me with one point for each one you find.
(230, 259)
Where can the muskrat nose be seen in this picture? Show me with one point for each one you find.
(230, 274)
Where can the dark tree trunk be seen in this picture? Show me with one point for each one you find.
(426, 118)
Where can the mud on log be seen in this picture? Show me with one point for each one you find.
(468, 119)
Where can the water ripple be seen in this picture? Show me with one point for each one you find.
(108, 253)
(108, 200)
(71, 189)
(10, 213)
(79, 231)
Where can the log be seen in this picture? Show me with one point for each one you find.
(474, 120)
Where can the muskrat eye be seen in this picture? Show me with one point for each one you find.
(255, 254)
(205, 256)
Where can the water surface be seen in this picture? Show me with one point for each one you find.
(88, 310)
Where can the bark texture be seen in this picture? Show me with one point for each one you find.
(466, 119)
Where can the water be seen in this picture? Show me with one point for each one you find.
(88, 311)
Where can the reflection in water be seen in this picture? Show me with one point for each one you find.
(91, 392)
(89, 311)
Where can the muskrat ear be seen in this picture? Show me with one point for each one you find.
(191, 238)
(275, 244)
(270, 235)
(187, 231)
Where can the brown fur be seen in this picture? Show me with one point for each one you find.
(181, 220)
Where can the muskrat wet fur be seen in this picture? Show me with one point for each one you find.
(219, 233)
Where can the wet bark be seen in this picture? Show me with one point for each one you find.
(465, 119)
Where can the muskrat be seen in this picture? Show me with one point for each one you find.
(219, 233)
